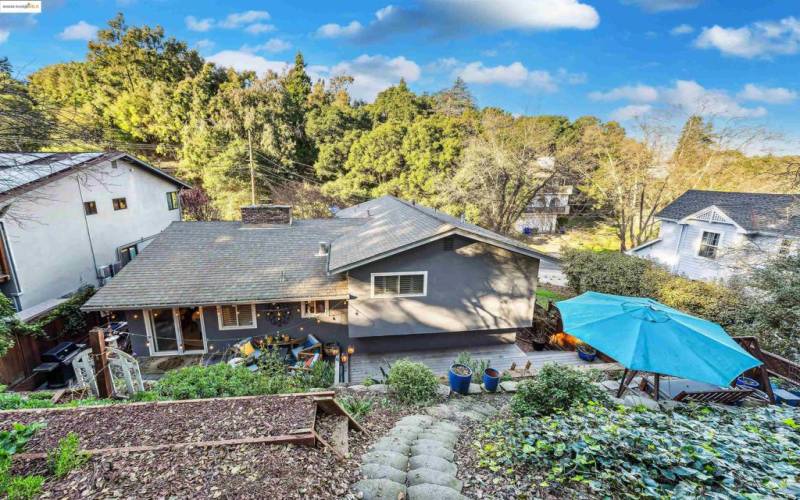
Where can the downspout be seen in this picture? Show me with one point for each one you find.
(12, 267)
(678, 249)
(86, 223)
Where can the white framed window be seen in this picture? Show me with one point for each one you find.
(314, 308)
(238, 317)
(709, 245)
(400, 284)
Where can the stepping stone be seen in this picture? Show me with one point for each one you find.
(439, 438)
(404, 433)
(431, 476)
(434, 450)
(442, 390)
(446, 427)
(380, 489)
(390, 458)
(397, 445)
(474, 389)
(431, 462)
(378, 388)
(633, 400)
(378, 471)
(415, 420)
(433, 491)
(509, 386)
(440, 411)
(357, 388)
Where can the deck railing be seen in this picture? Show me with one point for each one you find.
(776, 365)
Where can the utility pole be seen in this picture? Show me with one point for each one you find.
(105, 386)
(252, 168)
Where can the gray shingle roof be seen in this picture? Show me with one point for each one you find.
(204, 263)
(18, 170)
(393, 224)
(756, 212)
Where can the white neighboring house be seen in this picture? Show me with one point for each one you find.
(542, 213)
(73, 219)
(714, 235)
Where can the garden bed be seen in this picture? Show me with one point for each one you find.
(166, 423)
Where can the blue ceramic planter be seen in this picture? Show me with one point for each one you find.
(460, 383)
(491, 378)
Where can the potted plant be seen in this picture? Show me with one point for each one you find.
(586, 352)
(460, 377)
(491, 378)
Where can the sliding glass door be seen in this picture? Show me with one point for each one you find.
(176, 330)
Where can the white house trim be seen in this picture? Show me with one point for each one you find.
(178, 333)
(399, 273)
(713, 215)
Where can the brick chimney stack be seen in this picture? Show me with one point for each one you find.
(267, 215)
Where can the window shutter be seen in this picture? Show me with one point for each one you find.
(245, 315)
(406, 284)
(380, 285)
(228, 315)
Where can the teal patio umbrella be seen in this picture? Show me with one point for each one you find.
(645, 335)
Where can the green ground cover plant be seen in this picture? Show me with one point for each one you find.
(67, 456)
(358, 407)
(593, 450)
(413, 383)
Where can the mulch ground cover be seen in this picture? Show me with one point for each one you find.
(126, 425)
(243, 471)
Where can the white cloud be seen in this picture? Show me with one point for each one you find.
(204, 44)
(681, 29)
(258, 28)
(769, 95)
(245, 61)
(201, 25)
(630, 112)
(272, 45)
(761, 39)
(239, 19)
(334, 30)
(454, 17)
(4, 34)
(372, 74)
(690, 97)
(693, 98)
(79, 31)
(664, 5)
(489, 53)
(633, 93)
(512, 75)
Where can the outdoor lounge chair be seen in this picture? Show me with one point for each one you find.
(310, 346)
(305, 362)
(680, 389)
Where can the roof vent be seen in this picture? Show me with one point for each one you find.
(267, 215)
(324, 248)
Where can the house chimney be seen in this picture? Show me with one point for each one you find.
(267, 215)
(324, 248)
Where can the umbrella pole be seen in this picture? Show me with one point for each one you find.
(657, 385)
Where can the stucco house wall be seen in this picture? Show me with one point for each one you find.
(473, 287)
(52, 247)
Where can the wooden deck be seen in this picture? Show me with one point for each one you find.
(501, 357)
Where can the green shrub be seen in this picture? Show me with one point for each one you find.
(67, 456)
(355, 406)
(413, 383)
(145, 397)
(598, 452)
(16, 401)
(620, 274)
(320, 375)
(556, 387)
(15, 439)
(476, 365)
(24, 487)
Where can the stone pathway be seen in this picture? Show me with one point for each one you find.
(415, 459)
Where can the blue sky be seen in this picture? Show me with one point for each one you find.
(617, 59)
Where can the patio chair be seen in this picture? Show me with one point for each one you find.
(246, 351)
(310, 346)
(305, 362)
(699, 392)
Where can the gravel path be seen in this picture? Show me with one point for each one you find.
(126, 425)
